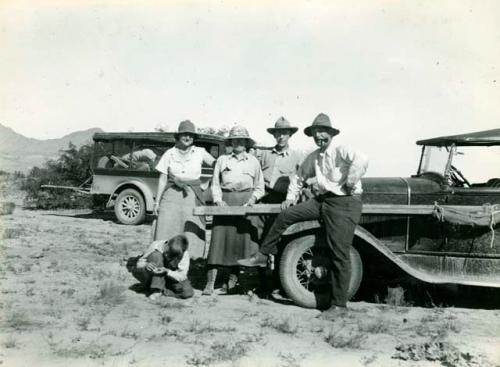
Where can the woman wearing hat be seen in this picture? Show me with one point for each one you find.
(179, 190)
(237, 180)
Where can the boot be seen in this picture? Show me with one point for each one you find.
(231, 283)
(209, 287)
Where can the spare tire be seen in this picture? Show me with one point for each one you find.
(300, 257)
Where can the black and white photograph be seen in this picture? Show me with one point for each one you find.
(250, 183)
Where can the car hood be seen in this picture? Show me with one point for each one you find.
(399, 190)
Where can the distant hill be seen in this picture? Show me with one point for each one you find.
(19, 153)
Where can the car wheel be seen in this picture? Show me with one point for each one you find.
(130, 208)
(304, 272)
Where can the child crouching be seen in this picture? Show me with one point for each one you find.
(163, 268)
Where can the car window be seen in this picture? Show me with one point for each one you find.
(478, 164)
(128, 155)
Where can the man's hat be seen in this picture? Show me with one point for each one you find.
(186, 126)
(321, 120)
(282, 124)
(240, 132)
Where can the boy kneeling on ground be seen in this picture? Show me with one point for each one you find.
(163, 268)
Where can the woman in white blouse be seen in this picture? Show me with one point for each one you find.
(179, 190)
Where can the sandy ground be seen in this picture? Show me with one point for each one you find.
(67, 299)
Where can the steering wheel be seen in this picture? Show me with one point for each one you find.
(458, 178)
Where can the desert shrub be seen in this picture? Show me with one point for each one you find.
(7, 208)
(284, 325)
(438, 352)
(71, 168)
(10, 182)
(220, 352)
(9, 233)
(110, 293)
(18, 320)
(375, 327)
(396, 297)
(10, 343)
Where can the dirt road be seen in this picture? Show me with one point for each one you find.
(66, 299)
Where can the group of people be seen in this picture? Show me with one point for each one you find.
(242, 177)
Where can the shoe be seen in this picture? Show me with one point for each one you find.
(208, 291)
(169, 293)
(257, 259)
(154, 296)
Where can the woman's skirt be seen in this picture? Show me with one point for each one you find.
(175, 216)
(233, 237)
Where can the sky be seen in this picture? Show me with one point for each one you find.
(386, 72)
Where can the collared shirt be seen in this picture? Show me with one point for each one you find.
(184, 165)
(333, 169)
(237, 173)
(278, 167)
(182, 269)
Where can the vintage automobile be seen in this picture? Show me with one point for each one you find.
(435, 226)
(123, 169)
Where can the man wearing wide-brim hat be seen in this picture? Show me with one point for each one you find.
(278, 165)
(338, 171)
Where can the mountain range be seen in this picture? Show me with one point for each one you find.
(20, 153)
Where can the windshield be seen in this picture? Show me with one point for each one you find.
(434, 159)
(477, 164)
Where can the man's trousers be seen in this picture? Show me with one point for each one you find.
(340, 215)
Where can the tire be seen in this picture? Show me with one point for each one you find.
(130, 208)
(301, 249)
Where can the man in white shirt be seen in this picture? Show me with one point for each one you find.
(337, 171)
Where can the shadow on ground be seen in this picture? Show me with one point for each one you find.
(102, 215)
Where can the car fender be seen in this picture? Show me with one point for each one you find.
(138, 185)
(373, 241)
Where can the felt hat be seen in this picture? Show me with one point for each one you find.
(186, 126)
(240, 132)
(323, 121)
(282, 124)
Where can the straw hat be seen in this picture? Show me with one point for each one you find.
(240, 132)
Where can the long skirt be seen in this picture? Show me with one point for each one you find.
(233, 237)
(175, 216)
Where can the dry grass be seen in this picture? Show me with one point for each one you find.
(437, 351)
(396, 297)
(19, 320)
(12, 233)
(379, 326)
(344, 339)
(10, 343)
(206, 327)
(220, 352)
(283, 325)
(110, 293)
(291, 360)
